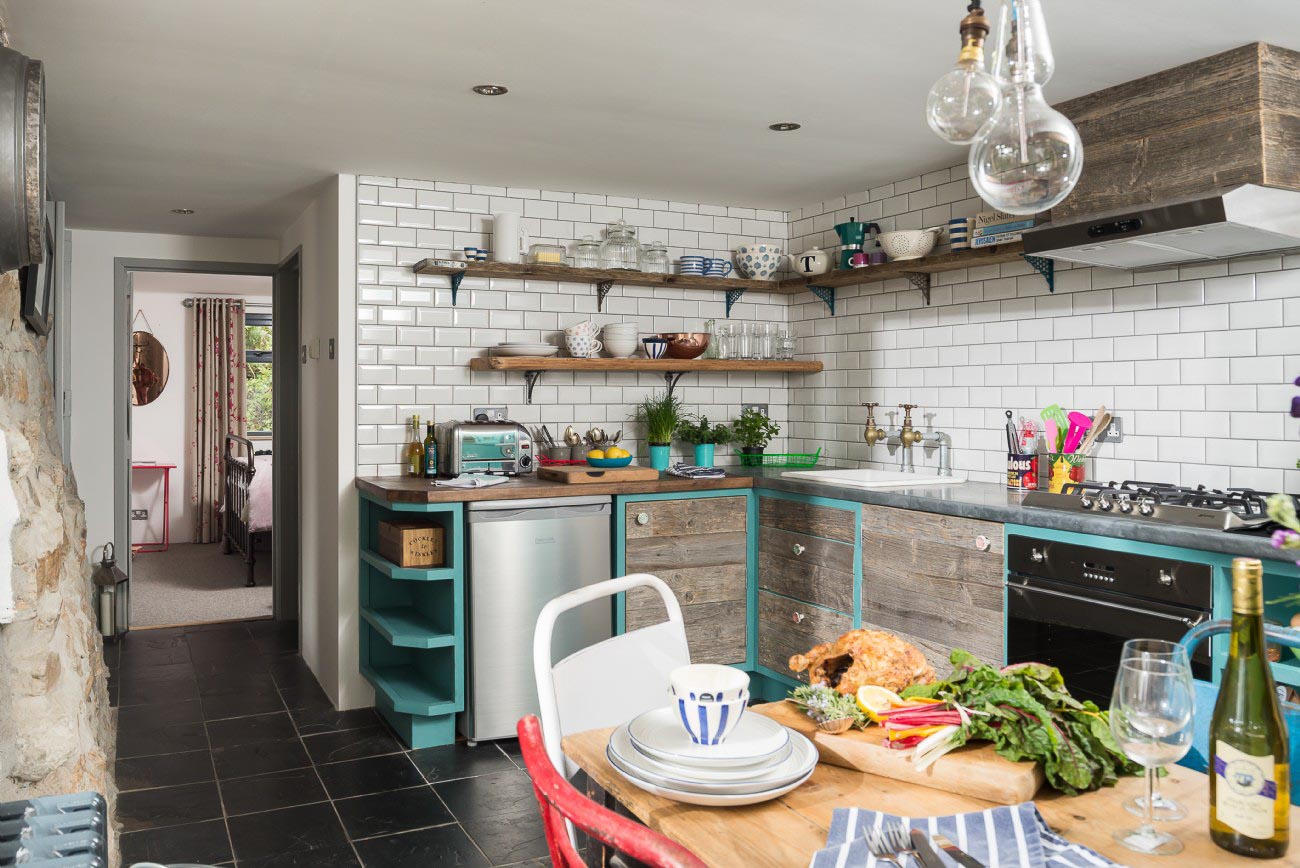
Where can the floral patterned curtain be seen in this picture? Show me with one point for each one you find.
(218, 406)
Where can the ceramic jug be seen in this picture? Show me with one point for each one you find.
(811, 262)
(509, 240)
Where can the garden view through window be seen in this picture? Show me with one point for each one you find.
(257, 358)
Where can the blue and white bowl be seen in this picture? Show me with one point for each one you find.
(654, 347)
(709, 700)
(759, 261)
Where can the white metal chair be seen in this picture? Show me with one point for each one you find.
(612, 681)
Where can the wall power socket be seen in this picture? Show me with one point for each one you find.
(490, 414)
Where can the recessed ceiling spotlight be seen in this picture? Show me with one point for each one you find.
(182, 210)
(490, 89)
(784, 127)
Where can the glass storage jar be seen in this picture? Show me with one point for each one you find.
(586, 253)
(619, 249)
(654, 257)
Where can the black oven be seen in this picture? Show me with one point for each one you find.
(1074, 607)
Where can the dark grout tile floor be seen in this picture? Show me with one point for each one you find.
(230, 753)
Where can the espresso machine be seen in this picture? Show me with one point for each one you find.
(857, 238)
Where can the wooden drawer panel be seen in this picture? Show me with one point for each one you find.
(823, 521)
(688, 516)
(928, 527)
(780, 637)
(806, 568)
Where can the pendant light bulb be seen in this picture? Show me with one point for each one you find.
(962, 103)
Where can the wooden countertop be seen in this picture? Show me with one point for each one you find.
(405, 489)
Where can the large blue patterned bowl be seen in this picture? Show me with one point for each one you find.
(759, 261)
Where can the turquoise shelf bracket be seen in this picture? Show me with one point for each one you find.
(733, 296)
(530, 380)
(602, 289)
(826, 294)
(1044, 266)
(455, 285)
(921, 281)
(671, 378)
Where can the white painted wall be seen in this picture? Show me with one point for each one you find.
(161, 430)
(91, 383)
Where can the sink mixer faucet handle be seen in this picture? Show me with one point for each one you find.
(871, 433)
(907, 434)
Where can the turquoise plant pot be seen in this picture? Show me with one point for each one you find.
(704, 454)
(659, 456)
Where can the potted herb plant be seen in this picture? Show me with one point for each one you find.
(703, 436)
(661, 414)
(753, 431)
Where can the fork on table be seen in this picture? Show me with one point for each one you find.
(890, 843)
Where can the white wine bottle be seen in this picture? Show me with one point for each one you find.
(1250, 776)
(415, 450)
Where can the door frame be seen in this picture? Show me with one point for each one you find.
(286, 410)
(123, 309)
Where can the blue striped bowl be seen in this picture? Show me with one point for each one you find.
(710, 722)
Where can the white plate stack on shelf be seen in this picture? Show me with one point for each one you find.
(522, 348)
(706, 749)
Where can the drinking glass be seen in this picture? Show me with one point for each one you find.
(784, 343)
(1151, 719)
(755, 340)
(1162, 807)
(744, 335)
(723, 338)
(767, 341)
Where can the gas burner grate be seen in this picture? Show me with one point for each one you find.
(1246, 502)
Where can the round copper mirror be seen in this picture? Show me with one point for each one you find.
(149, 368)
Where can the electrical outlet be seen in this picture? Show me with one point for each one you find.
(139, 515)
(490, 414)
(762, 408)
(1114, 433)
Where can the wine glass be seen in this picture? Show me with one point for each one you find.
(1162, 807)
(1151, 719)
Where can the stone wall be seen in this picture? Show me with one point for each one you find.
(56, 728)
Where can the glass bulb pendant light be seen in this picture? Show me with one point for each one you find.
(962, 103)
(1031, 156)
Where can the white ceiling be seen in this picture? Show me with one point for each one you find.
(239, 108)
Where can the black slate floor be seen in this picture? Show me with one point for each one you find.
(229, 753)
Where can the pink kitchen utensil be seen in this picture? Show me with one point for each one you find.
(1079, 425)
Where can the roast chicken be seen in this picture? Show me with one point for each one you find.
(865, 657)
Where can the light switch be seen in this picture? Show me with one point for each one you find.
(313, 348)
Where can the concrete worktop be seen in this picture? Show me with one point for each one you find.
(980, 500)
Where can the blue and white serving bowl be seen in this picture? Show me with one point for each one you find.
(654, 347)
(759, 261)
(710, 700)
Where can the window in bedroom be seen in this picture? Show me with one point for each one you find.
(257, 360)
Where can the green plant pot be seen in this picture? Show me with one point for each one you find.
(704, 454)
(659, 456)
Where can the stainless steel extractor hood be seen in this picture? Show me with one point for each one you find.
(1235, 222)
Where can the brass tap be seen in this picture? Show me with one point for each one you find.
(871, 433)
(908, 435)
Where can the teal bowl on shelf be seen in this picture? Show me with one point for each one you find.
(610, 462)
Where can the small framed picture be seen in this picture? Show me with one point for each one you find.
(38, 286)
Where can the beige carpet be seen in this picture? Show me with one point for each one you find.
(195, 584)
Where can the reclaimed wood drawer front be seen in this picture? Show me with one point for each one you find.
(699, 547)
(806, 568)
(935, 580)
(787, 627)
(827, 522)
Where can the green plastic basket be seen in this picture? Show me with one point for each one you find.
(781, 459)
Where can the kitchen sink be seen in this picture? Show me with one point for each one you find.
(875, 478)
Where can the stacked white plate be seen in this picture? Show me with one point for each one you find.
(760, 760)
(520, 348)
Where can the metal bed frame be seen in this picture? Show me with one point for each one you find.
(238, 484)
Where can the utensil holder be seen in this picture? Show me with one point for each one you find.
(1022, 471)
(1062, 468)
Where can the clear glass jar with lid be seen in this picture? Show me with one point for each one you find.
(654, 257)
(586, 253)
(620, 249)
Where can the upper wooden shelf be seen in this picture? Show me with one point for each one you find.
(556, 363)
(599, 275)
(925, 265)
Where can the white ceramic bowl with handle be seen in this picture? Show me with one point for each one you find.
(909, 243)
(709, 700)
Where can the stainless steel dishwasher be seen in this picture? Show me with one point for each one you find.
(523, 554)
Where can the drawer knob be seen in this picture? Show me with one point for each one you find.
(983, 543)
(643, 518)
(798, 549)
(798, 617)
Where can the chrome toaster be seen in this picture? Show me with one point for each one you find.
(504, 448)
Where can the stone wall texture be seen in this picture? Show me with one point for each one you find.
(56, 728)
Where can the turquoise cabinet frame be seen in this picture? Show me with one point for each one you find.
(412, 643)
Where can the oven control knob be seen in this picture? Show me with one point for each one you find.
(1037, 556)
(1146, 506)
(1104, 503)
(1085, 501)
(525, 461)
(1164, 578)
(1126, 506)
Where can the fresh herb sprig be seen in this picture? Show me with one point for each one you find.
(823, 704)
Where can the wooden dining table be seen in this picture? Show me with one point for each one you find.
(786, 832)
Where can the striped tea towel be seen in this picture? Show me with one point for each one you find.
(691, 471)
(1005, 837)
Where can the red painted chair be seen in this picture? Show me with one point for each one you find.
(559, 800)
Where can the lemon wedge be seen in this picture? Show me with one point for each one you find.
(873, 699)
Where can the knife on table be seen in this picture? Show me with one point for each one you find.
(956, 853)
(925, 852)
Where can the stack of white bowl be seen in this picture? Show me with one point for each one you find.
(620, 339)
(706, 749)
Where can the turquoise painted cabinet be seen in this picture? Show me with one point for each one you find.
(413, 625)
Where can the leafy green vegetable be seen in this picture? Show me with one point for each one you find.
(1028, 713)
(823, 704)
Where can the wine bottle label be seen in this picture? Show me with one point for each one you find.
(1246, 792)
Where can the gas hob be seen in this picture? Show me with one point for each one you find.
(1236, 509)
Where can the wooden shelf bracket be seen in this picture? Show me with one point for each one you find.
(602, 289)
(455, 285)
(733, 296)
(826, 294)
(1044, 266)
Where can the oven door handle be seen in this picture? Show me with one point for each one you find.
(1189, 622)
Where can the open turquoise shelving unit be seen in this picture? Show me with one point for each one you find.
(413, 626)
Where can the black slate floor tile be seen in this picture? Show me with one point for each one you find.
(328, 857)
(252, 729)
(145, 717)
(454, 761)
(239, 627)
(170, 683)
(313, 721)
(510, 747)
(276, 790)
(168, 806)
(241, 704)
(351, 744)
(262, 757)
(168, 770)
(499, 812)
(395, 811)
(371, 775)
(306, 696)
(151, 739)
(226, 682)
(285, 832)
(291, 672)
(443, 845)
(143, 648)
(204, 843)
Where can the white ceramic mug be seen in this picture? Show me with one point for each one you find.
(582, 346)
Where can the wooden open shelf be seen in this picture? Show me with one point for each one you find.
(568, 273)
(925, 265)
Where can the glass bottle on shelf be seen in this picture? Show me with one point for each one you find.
(711, 351)
(430, 453)
(415, 450)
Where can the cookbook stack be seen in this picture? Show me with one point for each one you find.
(706, 749)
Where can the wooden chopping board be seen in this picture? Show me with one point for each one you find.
(587, 473)
(974, 770)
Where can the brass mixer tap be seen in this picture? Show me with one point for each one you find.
(908, 435)
(871, 433)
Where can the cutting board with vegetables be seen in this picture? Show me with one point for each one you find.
(587, 474)
(973, 770)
